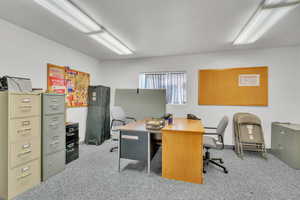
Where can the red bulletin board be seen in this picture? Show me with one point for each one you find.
(56, 79)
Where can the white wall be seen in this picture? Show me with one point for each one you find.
(25, 54)
(284, 82)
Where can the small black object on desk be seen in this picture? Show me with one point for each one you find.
(193, 117)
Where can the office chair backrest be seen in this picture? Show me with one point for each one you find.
(118, 113)
(222, 126)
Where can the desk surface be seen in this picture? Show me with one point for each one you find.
(179, 124)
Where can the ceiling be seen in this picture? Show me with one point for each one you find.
(155, 27)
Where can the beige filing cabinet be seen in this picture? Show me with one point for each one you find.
(20, 142)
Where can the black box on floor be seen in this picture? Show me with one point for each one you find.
(72, 142)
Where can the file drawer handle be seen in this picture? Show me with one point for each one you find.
(24, 176)
(54, 100)
(54, 125)
(130, 137)
(280, 147)
(70, 145)
(25, 123)
(24, 131)
(55, 142)
(54, 107)
(25, 107)
(25, 152)
(27, 100)
(27, 146)
(70, 134)
(282, 132)
(71, 150)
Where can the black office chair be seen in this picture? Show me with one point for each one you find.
(119, 118)
(210, 142)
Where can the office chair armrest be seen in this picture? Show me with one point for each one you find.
(116, 120)
(132, 118)
(210, 127)
(211, 133)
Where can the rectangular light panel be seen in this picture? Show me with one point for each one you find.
(65, 10)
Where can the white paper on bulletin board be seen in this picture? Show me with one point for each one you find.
(249, 80)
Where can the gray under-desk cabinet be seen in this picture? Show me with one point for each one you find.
(53, 135)
(286, 143)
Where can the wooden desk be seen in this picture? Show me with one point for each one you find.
(182, 146)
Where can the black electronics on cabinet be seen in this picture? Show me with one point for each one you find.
(72, 142)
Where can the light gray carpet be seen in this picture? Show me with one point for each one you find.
(94, 177)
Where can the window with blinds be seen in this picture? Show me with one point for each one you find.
(173, 82)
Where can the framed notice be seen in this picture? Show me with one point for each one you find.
(73, 83)
(249, 80)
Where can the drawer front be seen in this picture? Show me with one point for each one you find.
(291, 149)
(72, 151)
(24, 105)
(54, 134)
(23, 178)
(276, 141)
(24, 151)
(25, 128)
(54, 125)
(54, 143)
(53, 104)
(134, 145)
(53, 164)
(70, 136)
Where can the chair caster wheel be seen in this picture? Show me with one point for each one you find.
(204, 172)
(221, 161)
(225, 171)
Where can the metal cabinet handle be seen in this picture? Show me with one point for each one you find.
(25, 152)
(70, 145)
(26, 100)
(70, 134)
(280, 147)
(25, 108)
(24, 176)
(25, 123)
(282, 132)
(54, 107)
(55, 142)
(26, 146)
(24, 131)
(71, 150)
(53, 125)
(54, 100)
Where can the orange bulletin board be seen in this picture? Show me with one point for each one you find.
(235, 86)
(73, 83)
(77, 84)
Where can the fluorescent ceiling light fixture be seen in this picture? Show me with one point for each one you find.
(112, 43)
(265, 17)
(68, 12)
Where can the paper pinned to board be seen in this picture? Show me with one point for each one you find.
(249, 80)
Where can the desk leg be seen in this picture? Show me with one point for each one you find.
(119, 151)
(149, 154)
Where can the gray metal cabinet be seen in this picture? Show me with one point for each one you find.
(286, 143)
(54, 135)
